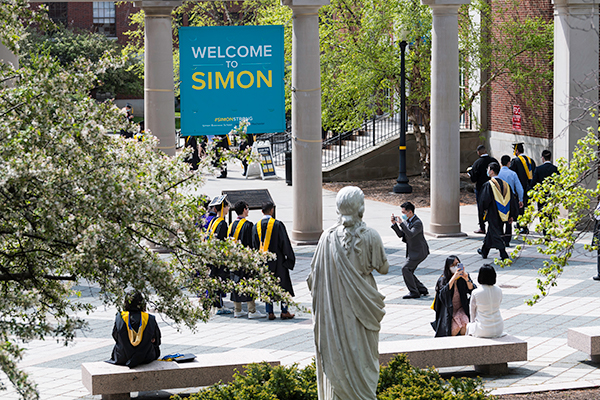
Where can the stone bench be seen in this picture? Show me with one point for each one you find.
(489, 356)
(586, 339)
(115, 382)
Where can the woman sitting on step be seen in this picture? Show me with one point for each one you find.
(486, 320)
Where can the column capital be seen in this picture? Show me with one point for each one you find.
(154, 4)
(303, 3)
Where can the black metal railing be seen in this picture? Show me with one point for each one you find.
(373, 131)
(339, 146)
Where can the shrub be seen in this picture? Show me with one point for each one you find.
(398, 380)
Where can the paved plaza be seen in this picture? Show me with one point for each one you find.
(551, 363)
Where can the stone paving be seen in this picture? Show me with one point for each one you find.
(551, 363)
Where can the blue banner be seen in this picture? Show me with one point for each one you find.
(229, 73)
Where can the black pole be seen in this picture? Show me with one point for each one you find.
(402, 185)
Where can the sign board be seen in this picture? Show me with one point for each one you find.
(230, 73)
(254, 197)
(516, 119)
(265, 167)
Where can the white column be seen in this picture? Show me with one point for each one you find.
(307, 175)
(159, 100)
(575, 73)
(445, 133)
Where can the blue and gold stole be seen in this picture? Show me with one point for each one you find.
(502, 195)
(527, 165)
(135, 338)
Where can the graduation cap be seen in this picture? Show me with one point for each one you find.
(519, 145)
(217, 201)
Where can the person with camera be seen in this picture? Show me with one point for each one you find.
(409, 228)
(451, 303)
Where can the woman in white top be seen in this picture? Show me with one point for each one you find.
(486, 320)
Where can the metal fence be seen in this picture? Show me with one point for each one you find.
(339, 146)
(373, 131)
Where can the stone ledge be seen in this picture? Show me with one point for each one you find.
(108, 379)
(487, 355)
(585, 339)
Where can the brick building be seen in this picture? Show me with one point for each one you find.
(533, 102)
(104, 17)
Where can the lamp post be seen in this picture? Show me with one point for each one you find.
(402, 185)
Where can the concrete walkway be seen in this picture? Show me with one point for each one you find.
(551, 363)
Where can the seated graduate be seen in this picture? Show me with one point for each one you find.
(451, 302)
(136, 334)
(486, 320)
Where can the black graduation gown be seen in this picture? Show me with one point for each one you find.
(443, 304)
(194, 158)
(124, 353)
(245, 238)
(479, 171)
(220, 270)
(280, 245)
(517, 166)
(493, 237)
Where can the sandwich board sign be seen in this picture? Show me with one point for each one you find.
(265, 168)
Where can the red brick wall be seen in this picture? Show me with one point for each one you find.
(80, 15)
(503, 93)
(123, 12)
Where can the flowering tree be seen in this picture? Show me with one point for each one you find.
(569, 190)
(79, 204)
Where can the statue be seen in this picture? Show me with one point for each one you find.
(347, 308)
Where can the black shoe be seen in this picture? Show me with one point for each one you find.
(480, 252)
(411, 296)
(524, 231)
(504, 256)
(425, 293)
(222, 176)
(596, 278)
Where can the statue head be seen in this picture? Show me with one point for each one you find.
(350, 202)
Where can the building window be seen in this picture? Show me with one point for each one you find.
(57, 12)
(105, 21)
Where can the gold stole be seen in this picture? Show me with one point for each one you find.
(238, 228)
(212, 227)
(135, 337)
(264, 243)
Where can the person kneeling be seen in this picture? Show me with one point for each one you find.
(451, 302)
(136, 334)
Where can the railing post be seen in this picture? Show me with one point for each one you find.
(340, 145)
(374, 139)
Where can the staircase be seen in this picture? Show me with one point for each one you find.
(338, 148)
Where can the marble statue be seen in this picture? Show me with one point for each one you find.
(347, 308)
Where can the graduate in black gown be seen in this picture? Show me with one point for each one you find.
(500, 206)
(136, 334)
(524, 166)
(454, 283)
(241, 230)
(218, 228)
(270, 234)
